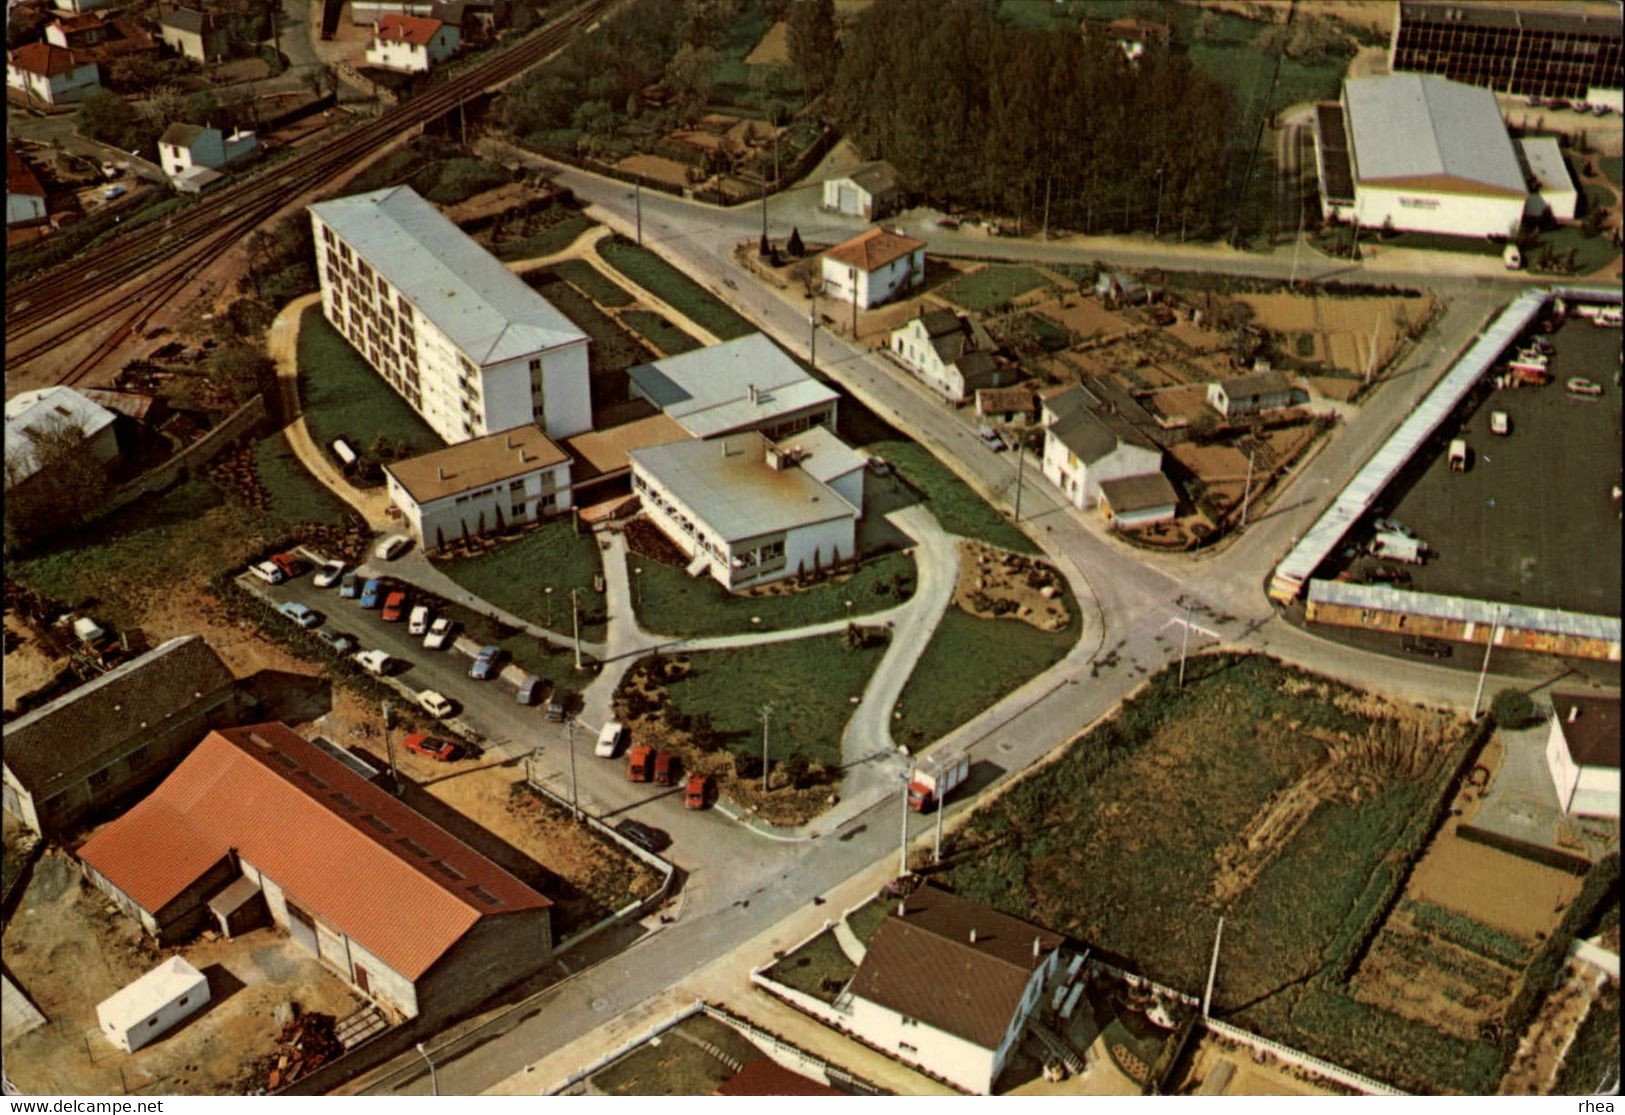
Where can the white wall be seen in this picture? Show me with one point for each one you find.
(392, 54)
(75, 85)
(850, 488)
(1596, 794)
(873, 287)
(1450, 214)
(1080, 482)
(457, 515)
(1565, 773)
(24, 207)
(940, 1053)
(186, 998)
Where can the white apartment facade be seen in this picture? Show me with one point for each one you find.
(517, 476)
(462, 339)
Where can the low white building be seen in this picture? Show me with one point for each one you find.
(46, 413)
(1423, 154)
(51, 74)
(25, 197)
(744, 384)
(870, 191)
(195, 34)
(1082, 449)
(144, 1011)
(949, 985)
(456, 334)
(748, 511)
(184, 146)
(873, 267)
(1582, 753)
(1138, 501)
(1253, 393)
(517, 476)
(411, 44)
(1554, 194)
(952, 353)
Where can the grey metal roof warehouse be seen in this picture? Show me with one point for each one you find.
(484, 308)
(1406, 127)
(1465, 609)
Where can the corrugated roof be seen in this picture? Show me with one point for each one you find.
(1374, 476)
(873, 249)
(1523, 617)
(1418, 126)
(484, 308)
(1590, 726)
(44, 411)
(925, 965)
(1138, 493)
(476, 463)
(84, 729)
(352, 854)
(729, 487)
(708, 390)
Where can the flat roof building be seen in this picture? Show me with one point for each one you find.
(460, 337)
(743, 384)
(1582, 753)
(1536, 50)
(500, 480)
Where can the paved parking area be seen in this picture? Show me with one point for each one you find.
(1533, 520)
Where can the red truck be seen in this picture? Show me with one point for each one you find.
(934, 779)
(638, 763)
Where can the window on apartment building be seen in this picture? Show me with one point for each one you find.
(547, 502)
(536, 366)
(366, 271)
(344, 250)
(404, 307)
(517, 485)
(772, 551)
(518, 510)
(462, 499)
(383, 289)
(467, 364)
(327, 235)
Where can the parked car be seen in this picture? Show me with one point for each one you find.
(371, 592)
(439, 634)
(609, 740)
(419, 623)
(529, 690)
(638, 762)
(485, 663)
(1579, 386)
(1388, 575)
(300, 614)
(1421, 644)
(1392, 526)
(990, 438)
(1500, 423)
(350, 586)
(555, 706)
(665, 772)
(392, 547)
(431, 747)
(113, 193)
(328, 575)
(394, 607)
(290, 565)
(434, 704)
(698, 793)
(338, 640)
(267, 572)
(647, 837)
(375, 662)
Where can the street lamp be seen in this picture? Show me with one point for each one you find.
(434, 1079)
(637, 584)
(547, 594)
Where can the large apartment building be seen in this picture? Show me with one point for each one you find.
(461, 338)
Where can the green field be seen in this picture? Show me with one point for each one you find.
(592, 282)
(1590, 252)
(295, 495)
(553, 239)
(809, 682)
(986, 290)
(341, 396)
(659, 332)
(956, 677)
(673, 287)
(515, 576)
(670, 602)
(1613, 168)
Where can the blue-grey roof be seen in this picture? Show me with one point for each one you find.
(1419, 126)
(484, 308)
(708, 390)
(1464, 609)
(1357, 498)
(43, 411)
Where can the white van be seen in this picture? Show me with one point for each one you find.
(392, 547)
(418, 624)
(1458, 455)
(609, 740)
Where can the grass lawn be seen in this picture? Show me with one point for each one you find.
(545, 243)
(1613, 168)
(810, 683)
(866, 919)
(991, 287)
(673, 287)
(296, 497)
(590, 281)
(671, 602)
(514, 575)
(818, 968)
(1590, 252)
(659, 332)
(957, 677)
(1434, 242)
(671, 1065)
(342, 396)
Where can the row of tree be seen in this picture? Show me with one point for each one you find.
(1043, 125)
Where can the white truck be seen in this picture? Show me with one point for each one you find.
(934, 779)
(1398, 547)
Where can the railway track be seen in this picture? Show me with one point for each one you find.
(145, 268)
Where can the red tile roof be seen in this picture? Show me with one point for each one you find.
(873, 249)
(403, 888)
(20, 177)
(408, 28)
(766, 1077)
(44, 59)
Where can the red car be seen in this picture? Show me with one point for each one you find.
(431, 746)
(698, 793)
(291, 566)
(394, 607)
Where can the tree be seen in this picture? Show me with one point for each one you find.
(52, 484)
(1512, 708)
(794, 245)
(692, 74)
(108, 118)
(244, 370)
(813, 50)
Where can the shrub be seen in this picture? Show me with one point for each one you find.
(1512, 708)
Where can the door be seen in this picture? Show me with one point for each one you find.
(303, 928)
(361, 981)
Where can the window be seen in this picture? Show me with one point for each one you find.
(138, 756)
(327, 235)
(98, 779)
(344, 250)
(536, 366)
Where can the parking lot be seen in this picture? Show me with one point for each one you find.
(1533, 519)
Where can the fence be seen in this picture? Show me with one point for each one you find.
(1303, 1060)
(581, 1075)
(199, 452)
(799, 1059)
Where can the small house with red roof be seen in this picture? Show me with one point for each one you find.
(406, 913)
(874, 267)
(25, 197)
(411, 44)
(51, 74)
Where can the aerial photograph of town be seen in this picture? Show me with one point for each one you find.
(896, 548)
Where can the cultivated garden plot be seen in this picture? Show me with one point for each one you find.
(1349, 336)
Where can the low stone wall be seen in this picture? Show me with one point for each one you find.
(200, 452)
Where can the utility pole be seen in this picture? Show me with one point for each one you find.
(1484, 671)
(812, 331)
(575, 625)
(637, 194)
(1156, 231)
(764, 207)
(765, 711)
(1247, 492)
(936, 851)
(1184, 642)
(1021, 461)
(1047, 181)
(570, 742)
(1297, 245)
(1371, 361)
(434, 1079)
(1213, 967)
(852, 275)
(902, 847)
(389, 745)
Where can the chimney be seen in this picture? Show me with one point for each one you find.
(507, 442)
(1574, 713)
(973, 935)
(902, 907)
(440, 472)
(751, 388)
(1038, 947)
